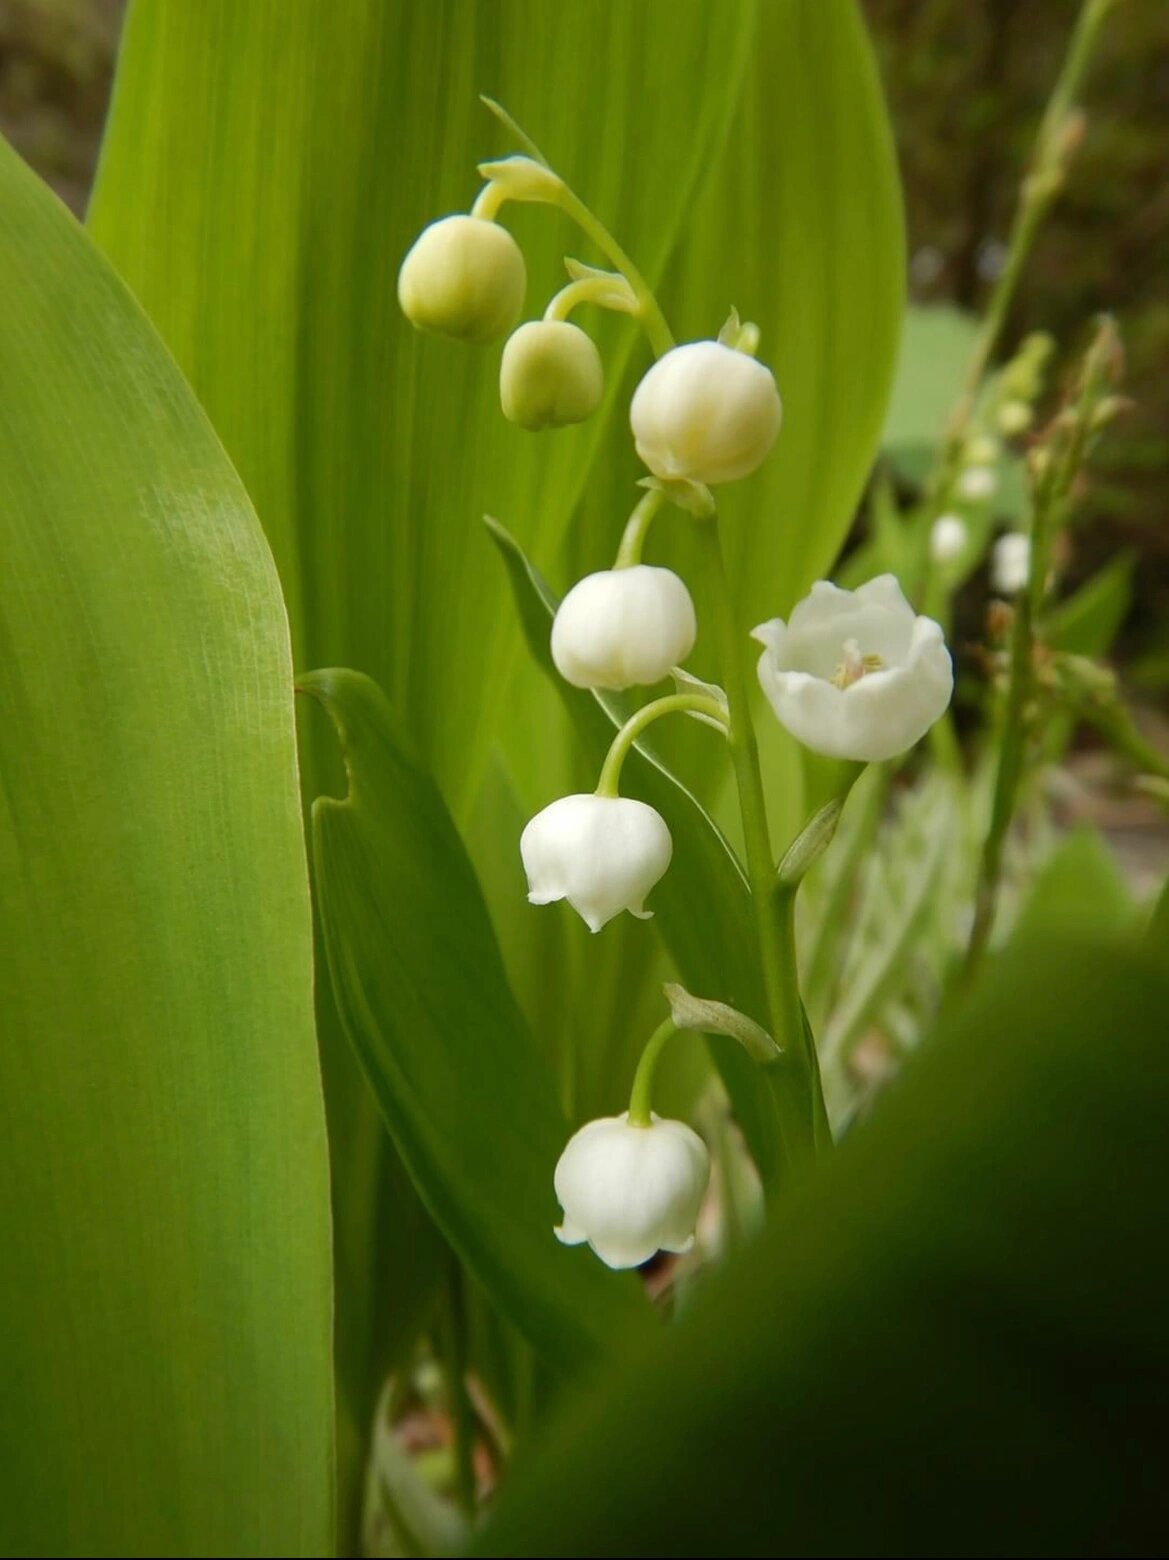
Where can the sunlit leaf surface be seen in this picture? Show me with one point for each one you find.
(165, 1375)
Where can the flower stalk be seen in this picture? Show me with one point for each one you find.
(669, 704)
(795, 1085)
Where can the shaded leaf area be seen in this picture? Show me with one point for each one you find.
(165, 1286)
(422, 993)
(953, 1344)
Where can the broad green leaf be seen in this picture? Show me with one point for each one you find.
(954, 1343)
(165, 1297)
(422, 993)
(702, 905)
(266, 168)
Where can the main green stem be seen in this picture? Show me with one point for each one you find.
(794, 1081)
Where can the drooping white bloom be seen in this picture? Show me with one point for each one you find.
(977, 483)
(855, 674)
(601, 853)
(550, 375)
(705, 413)
(1010, 563)
(631, 1191)
(948, 536)
(464, 277)
(623, 627)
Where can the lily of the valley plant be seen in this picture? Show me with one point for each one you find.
(853, 675)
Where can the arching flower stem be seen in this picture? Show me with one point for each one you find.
(672, 703)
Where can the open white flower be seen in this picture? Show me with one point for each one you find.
(855, 674)
(601, 853)
(631, 1191)
(1010, 563)
(623, 627)
(463, 277)
(705, 413)
(948, 537)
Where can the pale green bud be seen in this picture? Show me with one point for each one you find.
(464, 277)
(550, 375)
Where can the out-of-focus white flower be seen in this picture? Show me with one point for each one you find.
(1014, 417)
(977, 483)
(854, 674)
(948, 537)
(464, 277)
(705, 413)
(601, 853)
(1010, 563)
(630, 1191)
(550, 375)
(623, 627)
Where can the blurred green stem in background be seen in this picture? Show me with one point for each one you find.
(1059, 136)
(1057, 465)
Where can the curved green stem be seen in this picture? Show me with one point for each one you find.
(689, 703)
(794, 1083)
(649, 312)
(488, 202)
(637, 528)
(639, 1097)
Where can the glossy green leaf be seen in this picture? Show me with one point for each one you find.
(953, 1344)
(165, 1296)
(422, 992)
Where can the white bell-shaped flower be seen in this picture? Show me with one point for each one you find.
(705, 413)
(948, 538)
(550, 375)
(464, 277)
(1010, 563)
(622, 628)
(854, 674)
(631, 1191)
(601, 853)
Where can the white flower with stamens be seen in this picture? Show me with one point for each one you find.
(464, 277)
(601, 853)
(705, 413)
(1010, 563)
(631, 1191)
(948, 537)
(855, 674)
(621, 628)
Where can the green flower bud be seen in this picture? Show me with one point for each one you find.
(464, 277)
(550, 375)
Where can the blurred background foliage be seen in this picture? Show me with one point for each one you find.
(966, 82)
